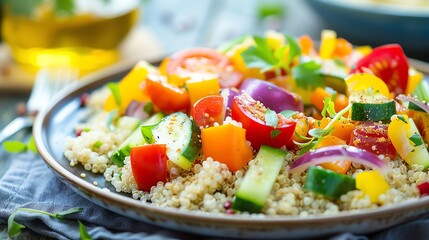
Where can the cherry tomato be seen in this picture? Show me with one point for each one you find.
(149, 165)
(389, 63)
(373, 137)
(251, 114)
(208, 110)
(203, 62)
(168, 97)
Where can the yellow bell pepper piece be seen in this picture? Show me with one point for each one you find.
(129, 89)
(198, 89)
(364, 50)
(226, 144)
(414, 78)
(372, 183)
(361, 82)
(275, 39)
(327, 44)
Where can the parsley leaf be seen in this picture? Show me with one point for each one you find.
(274, 133)
(288, 113)
(294, 48)
(271, 118)
(259, 56)
(307, 75)
(416, 139)
(84, 235)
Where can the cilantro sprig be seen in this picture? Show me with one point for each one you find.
(263, 57)
(308, 75)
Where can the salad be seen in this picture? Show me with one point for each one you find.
(270, 125)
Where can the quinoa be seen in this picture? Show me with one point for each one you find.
(210, 187)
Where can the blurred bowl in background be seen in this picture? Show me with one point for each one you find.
(377, 22)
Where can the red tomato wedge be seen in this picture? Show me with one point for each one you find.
(208, 110)
(389, 63)
(204, 62)
(166, 96)
(373, 137)
(149, 165)
(251, 114)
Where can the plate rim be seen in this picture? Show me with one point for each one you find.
(92, 81)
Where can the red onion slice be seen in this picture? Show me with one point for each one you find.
(405, 98)
(337, 153)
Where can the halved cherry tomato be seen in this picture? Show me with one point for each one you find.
(251, 114)
(149, 165)
(167, 97)
(389, 63)
(203, 62)
(208, 110)
(373, 137)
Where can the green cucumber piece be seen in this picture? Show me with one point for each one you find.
(134, 139)
(413, 106)
(259, 180)
(328, 183)
(181, 135)
(372, 111)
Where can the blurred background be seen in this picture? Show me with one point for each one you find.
(92, 34)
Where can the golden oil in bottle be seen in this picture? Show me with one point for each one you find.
(80, 33)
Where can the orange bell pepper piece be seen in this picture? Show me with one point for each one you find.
(198, 89)
(226, 144)
(341, 166)
(306, 44)
(342, 128)
(318, 96)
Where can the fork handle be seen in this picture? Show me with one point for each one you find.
(14, 126)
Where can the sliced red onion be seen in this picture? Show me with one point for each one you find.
(228, 95)
(405, 98)
(136, 109)
(337, 153)
(272, 96)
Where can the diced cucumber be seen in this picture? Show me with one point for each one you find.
(335, 82)
(372, 111)
(259, 180)
(328, 183)
(181, 135)
(414, 106)
(134, 139)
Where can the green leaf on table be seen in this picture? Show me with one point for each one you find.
(14, 228)
(114, 89)
(259, 56)
(64, 8)
(14, 146)
(84, 235)
(307, 75)
(271, 118)
(68, 212)
(31, 145)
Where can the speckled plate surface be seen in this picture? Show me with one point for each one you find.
(54, 125)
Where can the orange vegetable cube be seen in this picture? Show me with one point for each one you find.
(201, 88)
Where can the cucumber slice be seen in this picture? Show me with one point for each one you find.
(328, 183)
(414, 106)
(181, 135)
(259, 180)
(372, 111)
(134, 139)
(335, 82)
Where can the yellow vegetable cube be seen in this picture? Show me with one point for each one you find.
(201, 88)
(372, 183)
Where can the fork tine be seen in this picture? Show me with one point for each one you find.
(38, 91)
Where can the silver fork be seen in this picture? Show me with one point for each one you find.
(47, 83)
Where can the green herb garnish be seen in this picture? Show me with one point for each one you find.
(288, 113)
(84, 235)
(18, 146)
(416, 139)
(14, 228)
(274, 133)
(328, 107)
(271, 118)
(307, 75)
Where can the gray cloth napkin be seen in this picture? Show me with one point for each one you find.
(29, 183)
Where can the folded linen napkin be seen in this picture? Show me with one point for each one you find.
(29, 183)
